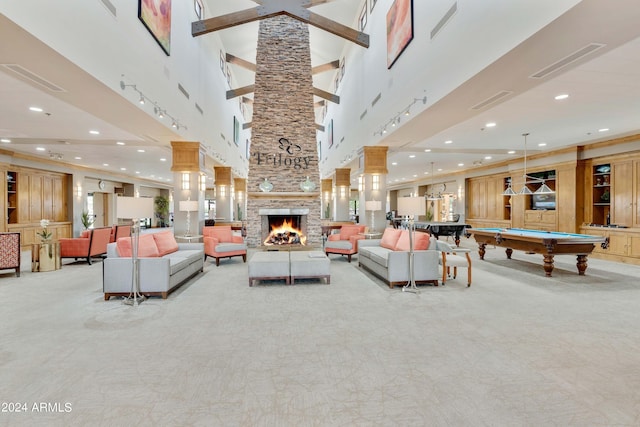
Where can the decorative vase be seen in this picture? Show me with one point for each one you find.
(307, 185)
(265, 186)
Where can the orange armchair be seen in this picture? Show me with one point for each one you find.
(118, 231)
(10, 252)
(345, 242)
(91, 243)
(219, 242)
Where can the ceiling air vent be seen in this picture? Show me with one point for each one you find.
(492, 99)
(183, 90)
(578, 54)
(109, 6)
(447, 16)
(19, 69)
(376, 99)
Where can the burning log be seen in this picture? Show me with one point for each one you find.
(285, 234)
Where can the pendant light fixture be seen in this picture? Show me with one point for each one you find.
(432, 195)
(525, 190)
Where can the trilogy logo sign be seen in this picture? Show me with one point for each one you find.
(290, 157)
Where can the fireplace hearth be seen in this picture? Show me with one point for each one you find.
(280, 227)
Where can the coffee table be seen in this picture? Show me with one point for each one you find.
(310, 265)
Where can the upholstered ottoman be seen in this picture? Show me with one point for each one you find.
(269, 266)
(310, 265)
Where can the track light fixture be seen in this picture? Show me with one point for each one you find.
(157, 110)
(395, 120)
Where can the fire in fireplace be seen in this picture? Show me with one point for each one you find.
(285, 230)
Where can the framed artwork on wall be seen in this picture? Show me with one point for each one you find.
(236, 131)
(156, 17)
(399, 29)
(330, 133)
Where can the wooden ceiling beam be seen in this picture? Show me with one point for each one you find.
(326, 95)
(333, 65)
(269, 9)
(232, 59)
(319, 104)
(247, 100)
(234, 93)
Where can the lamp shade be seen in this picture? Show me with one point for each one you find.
(134, 207)
(188, 205)
(373, 205)
(411, 206)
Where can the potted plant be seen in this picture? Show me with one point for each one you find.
(86, 219)
(161, 210)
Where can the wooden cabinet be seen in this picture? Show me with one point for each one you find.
(540, 220)
(40, 196)
(622, 197)
(600, 184)
(12, 198)
(487, 206)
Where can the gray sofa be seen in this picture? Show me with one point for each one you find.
(159, 276)
(393, 265)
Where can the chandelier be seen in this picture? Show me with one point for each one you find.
(528, 179)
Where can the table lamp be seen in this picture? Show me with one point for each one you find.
(410, 208)
(373, 206)
(134, 208)
(188, 206)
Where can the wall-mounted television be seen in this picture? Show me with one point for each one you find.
(543, 201)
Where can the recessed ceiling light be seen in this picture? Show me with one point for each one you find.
(395, 163)
(5, 140)
(511, 152)
(490, 124)
(94, 132)
(138, 172)
(426, 173)
(448, 142)
(412, 156)
(78, 158)
(487, 157)
(36, 109)
(105, 164)
(120, 143)
(460, 164)
(439, 169)
(542, 144)
(141, 151)
(415, 176)
(603, 130)
(427, 150)
(123, 169)
(163, 159)
(561, 97)
(40, 148)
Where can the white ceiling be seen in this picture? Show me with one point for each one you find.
(603, 88)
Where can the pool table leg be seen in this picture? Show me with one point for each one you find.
(548, 264)
(481, 250)
(508, 251)
(582, 264)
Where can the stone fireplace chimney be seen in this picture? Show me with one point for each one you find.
(283, 146)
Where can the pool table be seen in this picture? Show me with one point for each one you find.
(547, 243)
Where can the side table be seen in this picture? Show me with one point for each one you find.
(189, 239)
(45, 256)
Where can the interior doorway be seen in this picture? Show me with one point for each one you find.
(98, 208)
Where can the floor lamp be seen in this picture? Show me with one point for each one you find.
(135, 208)
(188, 206)
(373, 206)
(410, 208)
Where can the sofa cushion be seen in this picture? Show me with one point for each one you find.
(165, 242)
(350, 230)
(379, 255)
(230, 247)
(390, 238)
(420, 241)
(191, 254)
(177, 264)
(146, 247)
(339, 244)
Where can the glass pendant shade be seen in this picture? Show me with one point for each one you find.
(307, 185)
(265, 186)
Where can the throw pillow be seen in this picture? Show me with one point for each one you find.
(146, 247)
(420, 241)
(390, 238)
(165, 242)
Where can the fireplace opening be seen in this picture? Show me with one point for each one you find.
(285, 230)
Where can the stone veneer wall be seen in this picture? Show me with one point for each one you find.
(283, 108)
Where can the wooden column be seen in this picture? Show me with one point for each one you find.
(343, 186)
(223, 187)
(375, 185)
